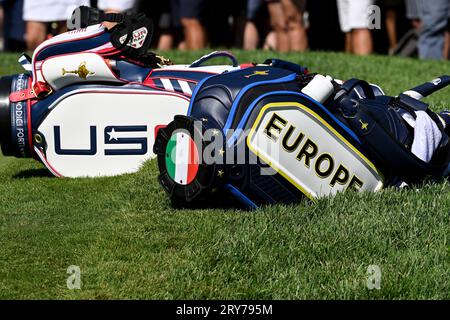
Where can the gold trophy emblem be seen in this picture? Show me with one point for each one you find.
(364, 125)
(82, 71)
(258, 73)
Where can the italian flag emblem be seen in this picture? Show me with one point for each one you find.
(182, 158)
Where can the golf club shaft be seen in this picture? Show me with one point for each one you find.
(428, 88)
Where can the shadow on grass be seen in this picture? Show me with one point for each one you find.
(33, 173)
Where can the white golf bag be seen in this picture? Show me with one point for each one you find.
(86, 108)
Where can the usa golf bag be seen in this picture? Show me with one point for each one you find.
(92, 99)
(276, 134)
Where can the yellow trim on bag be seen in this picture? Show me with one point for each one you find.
(317, 117)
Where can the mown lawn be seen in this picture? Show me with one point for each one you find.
(131, 244)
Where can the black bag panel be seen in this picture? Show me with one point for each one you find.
(213, 102)
(265, 189)
(256, 93)
(220, 96)
(388, 117)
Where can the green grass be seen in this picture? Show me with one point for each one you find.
(130, 243)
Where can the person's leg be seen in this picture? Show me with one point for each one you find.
(165, 42)
(391, 27)
(348, 42)
(270, 43)
(358, 19)
(447, 45)
(362, 42)
(296, 29)
(432, 35)
(195, 34)
(343, 9)
(165, 25)
(251, 36)
(36, 33)
(447, 41)
(278, 22)
(3, 38)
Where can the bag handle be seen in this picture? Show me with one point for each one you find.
(351, 84)
(212, 55)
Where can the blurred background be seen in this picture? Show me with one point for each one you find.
(414, 28)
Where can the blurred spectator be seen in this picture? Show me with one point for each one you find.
(434, 25)
(237, 19)
(166, 36)
(38, 15)
(194, 24)
(1, 27)
(392, 8)
(323, 26)
(258, 31)
(353, 18)
(431, 20)
(287, 22)
(414, 12)
(294, 11)
(447, 41)
(222, 22)
(115, 5)
(189, 13)
(112, 6)
(251, 34)
(13, 25)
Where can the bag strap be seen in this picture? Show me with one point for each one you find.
(84, 16)
(351, 84)
(39, 90)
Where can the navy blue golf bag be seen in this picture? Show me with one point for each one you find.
(265, 136)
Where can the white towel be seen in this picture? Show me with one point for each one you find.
(427, 137)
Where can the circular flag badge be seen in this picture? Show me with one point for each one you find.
(182, 158)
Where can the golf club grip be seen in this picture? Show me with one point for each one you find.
(429, 88)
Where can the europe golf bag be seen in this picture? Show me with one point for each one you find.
(276, 134)
(92, 99)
